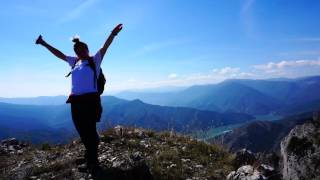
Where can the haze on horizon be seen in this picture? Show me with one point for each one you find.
(163, 43)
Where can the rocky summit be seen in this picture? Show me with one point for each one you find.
(134, 153)
(124, 153)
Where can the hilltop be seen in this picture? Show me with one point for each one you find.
(124, 153)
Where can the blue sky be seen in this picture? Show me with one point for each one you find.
(163, 43)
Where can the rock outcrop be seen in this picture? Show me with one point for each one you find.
(300, 151)
(244, 157)
(12, 146)
(250, 167)
(246, 172)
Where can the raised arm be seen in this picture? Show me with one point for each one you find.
(53, 50)
(106, 45)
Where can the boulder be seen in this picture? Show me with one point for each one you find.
(12, 146)
(300, 151)
(246, 172)
(134, 168)
(316, 116)
(244, 157)
(10, 142)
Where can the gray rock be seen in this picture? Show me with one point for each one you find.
(244, 157)
(316, 116)
(300, 151)
(10, 141)
(246, 172)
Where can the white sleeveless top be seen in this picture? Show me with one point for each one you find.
(82, 74)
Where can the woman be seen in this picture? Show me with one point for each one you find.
(84, 98)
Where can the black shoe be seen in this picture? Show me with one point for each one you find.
(94, 169)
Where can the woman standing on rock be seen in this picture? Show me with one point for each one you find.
(85, 97)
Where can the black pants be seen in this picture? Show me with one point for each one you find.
(85, 115)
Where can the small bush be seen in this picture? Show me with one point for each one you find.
(45, 147)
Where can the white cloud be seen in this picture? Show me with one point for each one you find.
(172, 76)
(226, 70)
(289, 69)
(246, 74)
(287, 64)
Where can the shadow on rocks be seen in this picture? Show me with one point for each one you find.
(140, 172)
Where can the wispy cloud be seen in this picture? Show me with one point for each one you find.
(246, 6)
(308, 39)
(77, 11)
(156, 46)
(247, 18)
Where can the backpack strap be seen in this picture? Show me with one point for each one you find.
(72, 68)
(93, 67)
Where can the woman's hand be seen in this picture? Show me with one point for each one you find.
(39, 40)
(117, 29)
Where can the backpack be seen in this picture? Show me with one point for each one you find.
(101, 80)
(98, 81)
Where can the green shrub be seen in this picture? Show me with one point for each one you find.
(45, 147)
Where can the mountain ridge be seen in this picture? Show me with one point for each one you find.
(261, 136)
(272, 96)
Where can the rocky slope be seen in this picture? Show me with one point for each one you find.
(301, 151)
(299, 158)
(124, 153)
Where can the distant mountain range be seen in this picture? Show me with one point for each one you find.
(260, 136)
(137, 113)
(255, 97)
(40, 100)
(35, 123)
(53, 123)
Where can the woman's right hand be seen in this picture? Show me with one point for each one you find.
(117, 29)
(39, 40)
